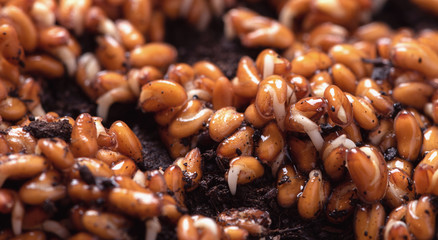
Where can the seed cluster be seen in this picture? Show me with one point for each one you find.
(344, 119)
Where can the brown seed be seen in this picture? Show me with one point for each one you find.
(396, 230)
(425, 174)
(310, 62)
(415, 56)
(382, 103)
(271, 97)
(244, 169)
(235, 233)
(129, 183)
(353, 132)
(70, 14)
(428, 37)
(191, 165)
(311, 108)
(408, 134)
(326, 36)
(303, 153)
(415, 94)
(320, 82)
(45, 187)
(401, 164)
(340, 204)
(239, 143)
(295, 50)
(57, 152)
(269, 63)
(124, 167)
(270, 145)
(224, 122)
(44, 65)
(207, 69)
(53, 36)
(368, 171)
(165, 117)
(314, 196)
(383, 46)
(138, 12)
(161, 94)
(29, 93)
(253, 116)
(96, 167)
(334, 163)
(20, 141)
(422, 120)
(186, 229)
(176, 146)
(108, 156)
(84, 137)
(340, 109)
(12, 109)
(7, 201)
(373, 31)
(247, 78)
(76, 213)
(80, 191)
(364, 84)
(35, 216)
(21, 166)
(421, 218)
(430, 139)
(130, 36)
(105, 225)
(175, 182)
(26, 30)
(156, 31)
(235, 19)
(400, 188)
(111, 54)
(170, 209)
(368, 220)
(269, 33)
(156, 182)
(377, 135)
(344, 78)
(223, 93)
(300, 84)
(181, 73)
(289, 185)
(135, 203)
(158, 55)
(363, 112)
(139, 77)
(350, 57)
(127, 142)
(192, 118)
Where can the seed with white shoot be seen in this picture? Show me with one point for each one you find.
(153, 227)
(339, 141)
(243, 170)
(310, 127)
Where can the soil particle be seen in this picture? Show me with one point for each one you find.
(390, 153)
(42, 129)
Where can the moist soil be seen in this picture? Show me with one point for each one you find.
(212, 196)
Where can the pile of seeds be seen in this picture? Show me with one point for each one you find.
(334, 122)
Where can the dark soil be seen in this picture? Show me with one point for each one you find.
(42, 129)
(213, 196)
